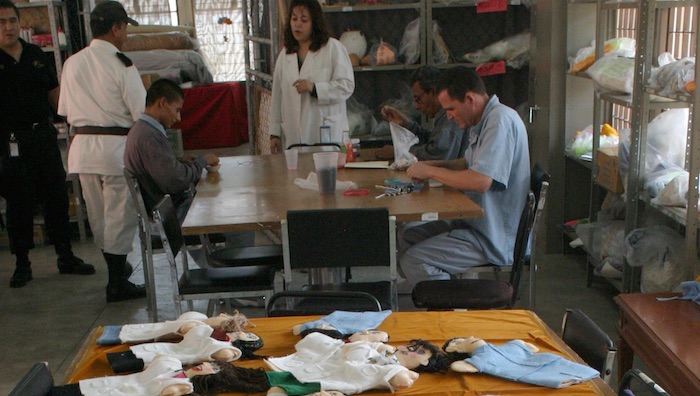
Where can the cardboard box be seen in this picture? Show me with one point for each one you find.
(609, 170)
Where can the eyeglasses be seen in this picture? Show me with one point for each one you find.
(419, 99)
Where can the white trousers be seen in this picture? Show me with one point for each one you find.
(111, 212)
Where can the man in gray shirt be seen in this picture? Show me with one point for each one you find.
(445, 140)
(149, 156)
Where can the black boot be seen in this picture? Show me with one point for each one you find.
(23, 271)
(70, 264)
(119, 288)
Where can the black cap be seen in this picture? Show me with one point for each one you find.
(110, 12)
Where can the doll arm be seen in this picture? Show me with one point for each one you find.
(227, 354)
(462, 366)
(386, 348)
(176, 390)
(403, 379)
(529, 346)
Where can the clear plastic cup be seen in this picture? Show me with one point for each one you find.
(292, 157)
(326, 165)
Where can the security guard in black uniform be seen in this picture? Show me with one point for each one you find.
(31, 169)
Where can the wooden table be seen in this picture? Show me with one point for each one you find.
(255, 193)
(665, 335)
(496, 326)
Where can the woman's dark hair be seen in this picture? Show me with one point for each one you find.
(231, 378)
(438, 362)
(319, 28)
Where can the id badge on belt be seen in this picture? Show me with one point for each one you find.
(14, 146)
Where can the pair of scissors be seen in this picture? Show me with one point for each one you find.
(356, 193)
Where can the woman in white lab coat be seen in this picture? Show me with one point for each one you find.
(313, 78)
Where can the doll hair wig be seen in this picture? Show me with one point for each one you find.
(237, 322)
(333, 333)
(438, 362)
(249, 347)
(454, 356)
(231, 378)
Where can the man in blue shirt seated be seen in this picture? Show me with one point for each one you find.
(494, 172)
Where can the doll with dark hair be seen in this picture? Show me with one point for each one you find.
(515, 360)
(345, 367)
(247, 342)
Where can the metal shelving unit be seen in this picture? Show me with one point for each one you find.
(388, 20)
(645, 104)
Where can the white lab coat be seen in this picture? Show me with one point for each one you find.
(296, 118)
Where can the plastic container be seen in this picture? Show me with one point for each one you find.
(355, 147)
(326, 164)
(347, 147)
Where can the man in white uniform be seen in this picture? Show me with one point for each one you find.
(102, 97)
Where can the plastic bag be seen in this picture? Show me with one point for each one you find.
(660, 251)
(382, 54)
(613, 73)
(409, 48)
(360, 118)
(603, 239)
(585, 57)
(673, 76)
(583, 141)
(514, 49)
(402, 139)
(311, 183)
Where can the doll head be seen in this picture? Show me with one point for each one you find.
(229, 323)
(460, 348)
(330, 331)
(247, 342)
(369, 336)
(227, 378)
(422, 356)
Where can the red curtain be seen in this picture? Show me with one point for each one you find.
(214, 116)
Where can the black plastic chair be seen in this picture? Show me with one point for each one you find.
(305, 302)
(480, 293)
(38, 381)
(539, 184)
(636, 379)
(589, 341)
(241, 277)
(328, 240)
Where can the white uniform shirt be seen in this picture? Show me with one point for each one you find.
(98, 89)
(296, 118)
(158, 376)
(196, 347)
(141, 332)
(349, 368)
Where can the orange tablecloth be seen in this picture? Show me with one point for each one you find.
(493, 326)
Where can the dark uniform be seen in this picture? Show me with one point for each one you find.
(31, 169)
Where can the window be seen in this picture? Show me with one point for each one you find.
(219, 25)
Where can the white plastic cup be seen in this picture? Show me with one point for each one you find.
(292, 157)
(326, 164)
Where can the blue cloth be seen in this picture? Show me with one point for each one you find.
(691, 291)
(516, 362)
(349, 322)
(110, 336)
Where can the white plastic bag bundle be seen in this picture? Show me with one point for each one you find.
(515, 50)
(402, 139)
(673, 76)
(660, 251)
(613, 73)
